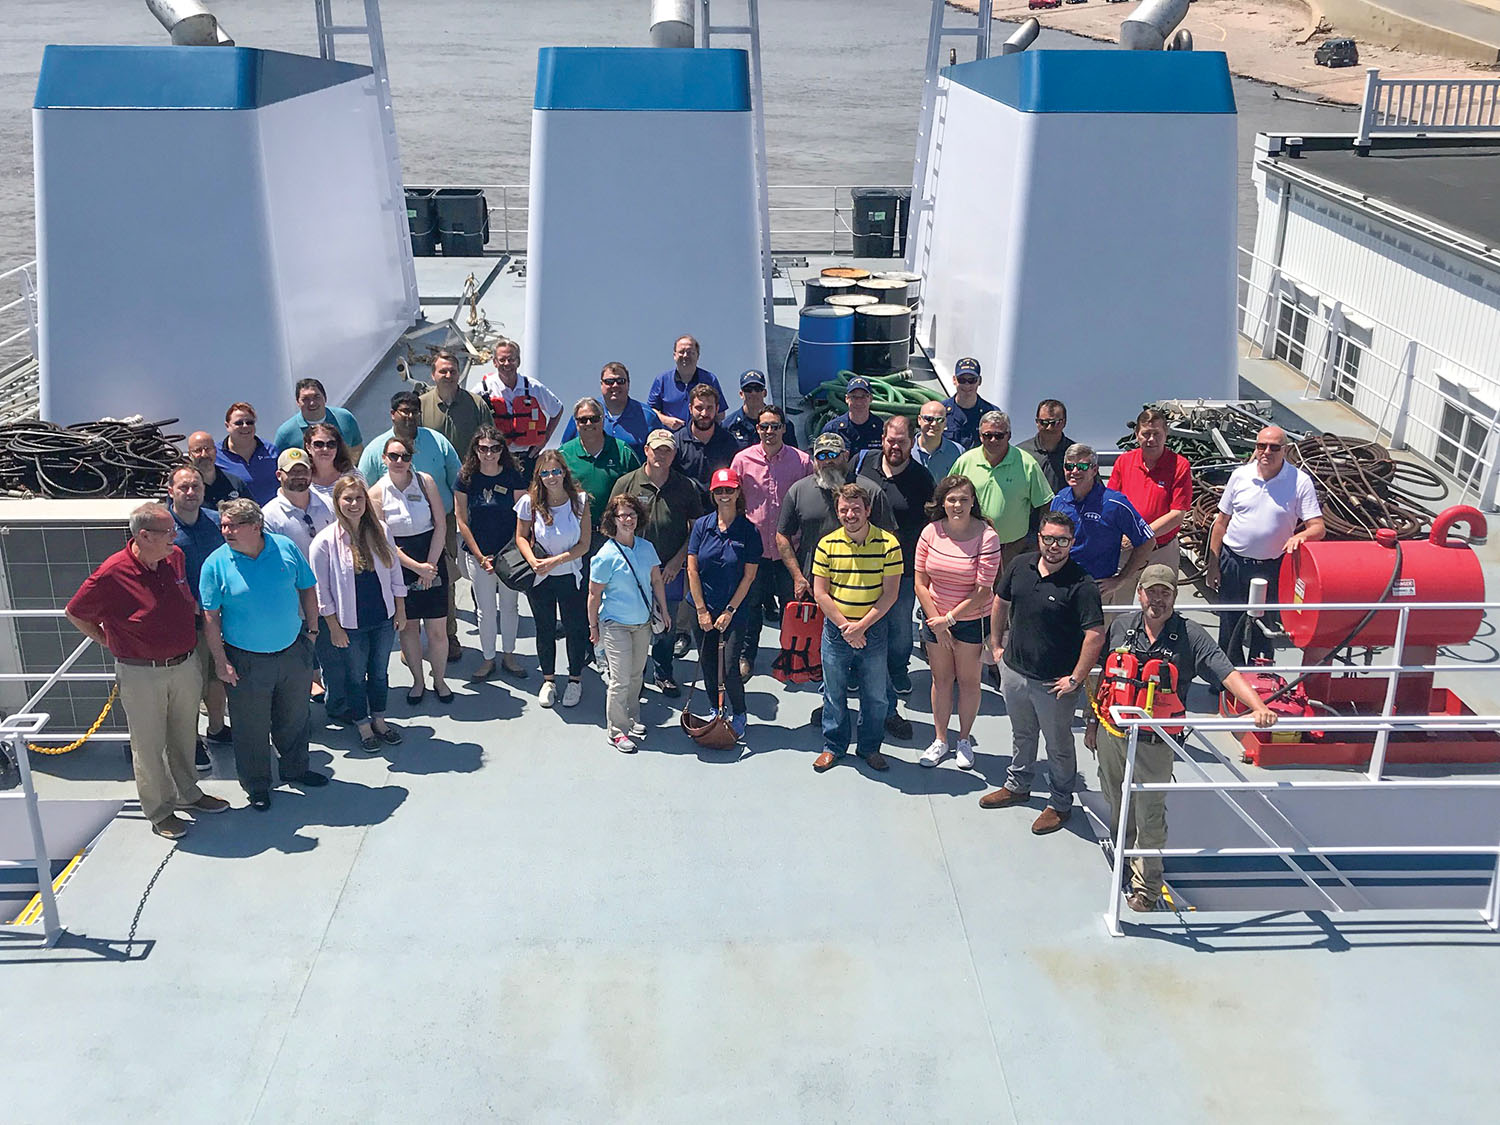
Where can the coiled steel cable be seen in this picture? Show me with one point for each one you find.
(109, 458)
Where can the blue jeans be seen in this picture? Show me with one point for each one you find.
(335, 697)
(866, 669)
(900, 633)
(365, 670)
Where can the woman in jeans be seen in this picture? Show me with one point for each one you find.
(484, 505)
(363, 603)
(625, 594)
(552, 532)
(331, 458)
(724, 554)
(412, 511)
(957, 559)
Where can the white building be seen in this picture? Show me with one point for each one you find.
(1376, 273)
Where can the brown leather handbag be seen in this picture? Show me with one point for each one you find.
(713, 733)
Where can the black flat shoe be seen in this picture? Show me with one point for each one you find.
(443, 697)
(260, 801)
(311, 779)
(415, 699)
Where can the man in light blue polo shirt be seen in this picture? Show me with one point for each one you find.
(261, 622)
(312, 408)
(432, 453)
(1102, 517)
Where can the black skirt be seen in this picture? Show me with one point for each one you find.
(432, 602)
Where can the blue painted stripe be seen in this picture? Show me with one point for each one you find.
(1348, 863)
(1103, 81)
(87, 77)
(643, 78)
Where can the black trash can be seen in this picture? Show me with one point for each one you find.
(421, 217)
(463, 222)
(874, 222)
(903, 215)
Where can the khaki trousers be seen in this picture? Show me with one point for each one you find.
(161, 709)
(625, 650)
(1146, 826)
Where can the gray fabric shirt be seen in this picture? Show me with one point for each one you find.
(1185, 643)
(808, 513)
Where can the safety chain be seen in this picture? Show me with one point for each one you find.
(141, 906)
(54, 751)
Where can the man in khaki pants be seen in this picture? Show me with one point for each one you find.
(138, 605)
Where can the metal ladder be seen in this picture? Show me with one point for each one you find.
(706, 30)
(329, 32)
(938, 30)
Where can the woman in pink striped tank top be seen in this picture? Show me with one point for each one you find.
(957, 559)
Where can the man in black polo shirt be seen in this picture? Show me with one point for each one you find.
(907, 487)
(1047, 627)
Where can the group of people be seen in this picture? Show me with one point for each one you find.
(277, 573)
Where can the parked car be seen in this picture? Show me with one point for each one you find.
(1336, 52)
(1035, 4)
(1077, 1)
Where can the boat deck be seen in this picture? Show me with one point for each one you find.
(504, 919)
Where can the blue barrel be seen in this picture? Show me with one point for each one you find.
(825, 345)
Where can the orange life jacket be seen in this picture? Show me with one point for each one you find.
(801, 658)
(1150, 684)
(522, 422)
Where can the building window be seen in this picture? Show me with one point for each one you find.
(1291, 333)
(1348, 353)
(1461, 440)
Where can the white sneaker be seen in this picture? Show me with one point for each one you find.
(638, 730)
(934, 753)
(572, 694)
(548, 695)
(622, 743)
(965, 753)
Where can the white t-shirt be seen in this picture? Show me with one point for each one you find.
(406, 510)
(560, 535)
(1263, 514)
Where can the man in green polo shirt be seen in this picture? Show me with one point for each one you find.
(856, 579)
(595, 459)
(1008, 483)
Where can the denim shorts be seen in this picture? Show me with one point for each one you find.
(968, 632)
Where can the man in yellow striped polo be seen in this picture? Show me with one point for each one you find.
(856, 579)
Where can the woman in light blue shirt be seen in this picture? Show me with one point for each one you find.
(625, 595)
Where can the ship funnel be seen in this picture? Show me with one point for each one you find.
(672, 23)
(190, 23)
(1152, 23)
(1023, 37)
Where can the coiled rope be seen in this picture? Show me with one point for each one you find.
(111, 457)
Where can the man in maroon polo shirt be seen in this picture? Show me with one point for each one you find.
(138, 606)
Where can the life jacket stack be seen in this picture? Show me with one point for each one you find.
(801, 658)
(523, 423)
(1151, 685)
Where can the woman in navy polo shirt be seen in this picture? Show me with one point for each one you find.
(724, 552)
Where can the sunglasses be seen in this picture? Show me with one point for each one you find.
(770, 427)
(1055, 540)
(587, 421)
(1077, 466)
(1268, 446)
(826, 455)
(545, 473)
(1049, 423)
(398, 457)
(322, 445)
(724, 492)
(968, 380)
(992, 436)
(931, 419)
(243, 422)
(484, 448)
(612, 382)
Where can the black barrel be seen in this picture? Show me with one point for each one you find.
(463, 222)
(421, 218)
(882, 339)
(913, 295)
(903, 216)
(884, 289)
(874, 222)
(819, 289)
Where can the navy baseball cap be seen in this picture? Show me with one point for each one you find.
(753, 379)
(858, 383)
(966, 366)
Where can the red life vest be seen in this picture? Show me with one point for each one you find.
(1128, 681)
(522, 422)
(801, 658)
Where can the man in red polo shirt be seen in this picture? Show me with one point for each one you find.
(138, 606)
(1158, 482)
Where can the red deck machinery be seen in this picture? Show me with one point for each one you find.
(1435, 569)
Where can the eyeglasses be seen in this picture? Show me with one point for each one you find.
(1268, 446)
(587, 421)
(1049, 423)
(994, 435)
(625, 514)
(968, 380)
(546, 473)
(1055, 540)
(612, 382)
(1077, 466)
(770, 427)
(398, 457)
(484, 447)
(158, 530)
(322, 445)
(827, 455)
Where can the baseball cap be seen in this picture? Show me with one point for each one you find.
(858, 383)
(660, 437)
(724, 478)
(290, 457)
(829, 443)
(1158, 574)
(966, 366)
(753, 378)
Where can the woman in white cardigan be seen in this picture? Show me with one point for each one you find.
(363, 603)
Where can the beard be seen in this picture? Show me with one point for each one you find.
(829, 477)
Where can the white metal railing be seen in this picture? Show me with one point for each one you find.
(1418, 106)
(1378, 371)
(62, 674)
(15, 730)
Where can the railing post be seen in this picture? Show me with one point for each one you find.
(1367, 108)
(505, 214)
(1117, 872)
(51, 924)
(1408, 376)
(1383, 735)
(1492, 909)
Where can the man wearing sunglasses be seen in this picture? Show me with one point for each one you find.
(624, 417)
(1050, 443)
(595, 459)
(742, 423)
(933, 449)
(965, 408)
(1262, 506)
(1103, 518)
(1008, 484)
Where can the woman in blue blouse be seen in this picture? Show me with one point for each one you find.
(724, 552)
(484, 505)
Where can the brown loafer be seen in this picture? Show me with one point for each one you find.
(171, 827)
(826, 761)
(876, 761)
(1050, 821)
(1142, 903)
(208, 804)
(1003, 798)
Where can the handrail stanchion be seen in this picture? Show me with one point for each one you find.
(16, 740)
(1492, 911)
(1382, 736)
(1112, 912)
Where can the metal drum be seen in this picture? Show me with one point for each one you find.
(819, 289)
(825, 345)
(852, 300)
(886, 291)
(853, 273)
(882, 335)
(913, 295)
